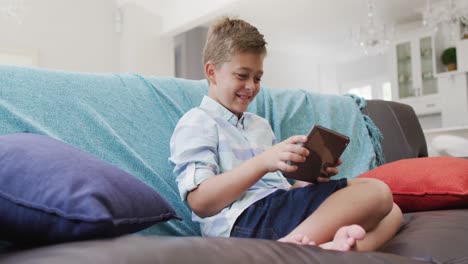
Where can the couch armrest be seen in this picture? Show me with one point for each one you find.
(402, 132)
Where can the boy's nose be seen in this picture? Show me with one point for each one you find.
(249, 85)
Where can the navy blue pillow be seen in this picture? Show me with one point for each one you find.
(52, 192)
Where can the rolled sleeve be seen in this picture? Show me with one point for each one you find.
(193, 154)
(191, 177)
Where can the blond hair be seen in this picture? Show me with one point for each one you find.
(228, 37)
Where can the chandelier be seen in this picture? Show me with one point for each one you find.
(373, 37)
(13, 11)
(446, 14)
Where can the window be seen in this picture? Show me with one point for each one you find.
(376, 89)
(365, 91)
(18, 57)
(387, 91)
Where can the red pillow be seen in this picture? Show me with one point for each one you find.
(422, 184)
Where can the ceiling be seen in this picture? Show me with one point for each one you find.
(322, 28)
(316, 28)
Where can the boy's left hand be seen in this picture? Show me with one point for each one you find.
(331, 171)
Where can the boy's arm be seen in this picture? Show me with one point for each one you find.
(216, 193)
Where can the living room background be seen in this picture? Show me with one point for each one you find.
(132, 36)
(84, 36)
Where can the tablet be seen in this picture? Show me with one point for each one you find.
(325, 147)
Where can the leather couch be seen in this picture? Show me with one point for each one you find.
(424, 237)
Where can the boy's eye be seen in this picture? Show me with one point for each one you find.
(242, 76)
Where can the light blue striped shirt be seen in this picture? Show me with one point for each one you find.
(210, 140)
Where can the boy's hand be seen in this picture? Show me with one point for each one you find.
(277, 157)
(331, 171)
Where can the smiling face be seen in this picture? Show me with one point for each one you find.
(235, 83)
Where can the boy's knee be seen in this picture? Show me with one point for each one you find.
(383, 195)
(379, 194)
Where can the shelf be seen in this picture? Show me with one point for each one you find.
(405, 83)
(449, 73)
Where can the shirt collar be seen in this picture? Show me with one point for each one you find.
(213, 106)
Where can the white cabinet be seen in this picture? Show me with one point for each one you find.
(454, 90)
(413, 71)
(462, 55)
(453, 87)
(439, 97)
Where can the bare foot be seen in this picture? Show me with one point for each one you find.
(299, 239)
(345, 238)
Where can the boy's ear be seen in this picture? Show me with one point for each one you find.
(210, 72)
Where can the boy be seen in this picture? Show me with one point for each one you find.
(228, 167)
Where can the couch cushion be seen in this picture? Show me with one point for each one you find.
(132, 249)
(52, 192)
(421, 184)
(439, 236)
(398, 123)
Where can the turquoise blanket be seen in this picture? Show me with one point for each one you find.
(127, 120)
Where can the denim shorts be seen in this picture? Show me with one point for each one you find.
(276, 215)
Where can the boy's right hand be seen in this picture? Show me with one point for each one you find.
(277, 157)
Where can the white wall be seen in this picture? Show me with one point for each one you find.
(289, 70)
(367, 69)
(67, 34)
(142, 47)
(81, 36)
(182, 15)
(299, 71)
(328, 79)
